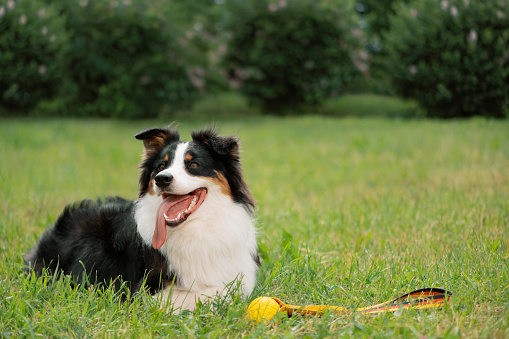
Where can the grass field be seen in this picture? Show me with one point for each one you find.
(351, 212)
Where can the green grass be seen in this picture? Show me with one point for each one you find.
(351, 212)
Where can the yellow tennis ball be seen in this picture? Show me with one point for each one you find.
(262, 309)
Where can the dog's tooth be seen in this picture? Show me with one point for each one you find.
(166, 217)
(191, 205)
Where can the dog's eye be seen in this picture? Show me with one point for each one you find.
(193, 165)
(161, 167)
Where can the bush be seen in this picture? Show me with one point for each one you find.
(126, 58)
(290, 53)
(377, 13)
(203, 22)
(33, 40)
(452, 56)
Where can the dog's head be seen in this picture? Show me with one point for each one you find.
(186, 174)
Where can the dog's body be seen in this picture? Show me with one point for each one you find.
(189, 234)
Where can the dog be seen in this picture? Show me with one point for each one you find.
(188, 235)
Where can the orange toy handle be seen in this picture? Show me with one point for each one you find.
(418, 299)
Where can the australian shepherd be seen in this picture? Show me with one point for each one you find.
(188, 236)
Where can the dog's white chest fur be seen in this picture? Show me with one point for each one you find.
(215, 245)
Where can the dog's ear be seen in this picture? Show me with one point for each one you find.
(227, 149)
(155, 138)
(221, 145)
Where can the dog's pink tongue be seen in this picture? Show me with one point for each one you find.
(160, 231)
(159, 236)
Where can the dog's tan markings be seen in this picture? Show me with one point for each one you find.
(152, 145)
(188, 157)
(222, 183)
(166, 158)
(155, 142)
(150, 188)
(155, 138)
(167, 283)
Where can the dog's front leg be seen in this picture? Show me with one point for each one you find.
(176, 300)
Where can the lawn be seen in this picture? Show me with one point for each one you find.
(351, 212)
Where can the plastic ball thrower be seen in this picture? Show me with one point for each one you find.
(263, 309)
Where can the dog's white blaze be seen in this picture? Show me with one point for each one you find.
(212, 248)
(146, 207)
(182, 183)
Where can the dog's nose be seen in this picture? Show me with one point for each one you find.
(163, 180)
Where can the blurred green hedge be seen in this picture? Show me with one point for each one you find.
(452, 56)
(291, 53)
(125, 58)
(33, 45)
(139, 59)
(92, 58)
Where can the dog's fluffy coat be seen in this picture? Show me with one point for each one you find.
(189, 234)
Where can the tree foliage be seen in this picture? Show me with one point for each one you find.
(33, 43)
(452, 56)
(287, 54)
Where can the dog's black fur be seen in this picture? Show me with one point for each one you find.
(102, 237)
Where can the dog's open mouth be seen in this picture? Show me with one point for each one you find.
(174, 210)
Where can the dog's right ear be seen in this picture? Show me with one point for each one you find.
(155, 138)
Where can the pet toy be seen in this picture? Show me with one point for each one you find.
(265, 308)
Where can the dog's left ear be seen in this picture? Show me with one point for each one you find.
(221, 145)
(155, 138)
(228, 151)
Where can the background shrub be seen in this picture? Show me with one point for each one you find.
(452, 56)
(377, 14)
(204, 23)
(126, 58)
(33, 42)
(289, 53)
